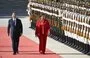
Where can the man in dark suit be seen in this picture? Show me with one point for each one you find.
(15, 29)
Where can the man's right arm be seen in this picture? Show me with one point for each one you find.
(8, 31)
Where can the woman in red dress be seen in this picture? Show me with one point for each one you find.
(42, 30)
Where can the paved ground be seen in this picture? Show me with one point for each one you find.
(55, 46)
(27, 48)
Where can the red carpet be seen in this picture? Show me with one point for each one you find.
(27, 48)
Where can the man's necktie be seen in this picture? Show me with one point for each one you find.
(14, 21)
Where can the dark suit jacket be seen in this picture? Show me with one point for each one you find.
(15, 30)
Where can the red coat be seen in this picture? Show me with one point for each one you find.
(42, 27)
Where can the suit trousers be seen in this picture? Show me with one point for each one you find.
(15, 43)
(42, 43)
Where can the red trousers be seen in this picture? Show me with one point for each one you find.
(42, 43)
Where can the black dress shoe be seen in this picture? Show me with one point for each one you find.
(14, 53)
(17, 52)
(88, 53)
(29, 27)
